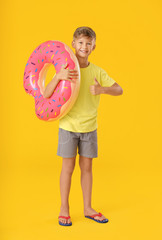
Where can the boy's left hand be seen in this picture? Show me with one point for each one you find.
(96, 88)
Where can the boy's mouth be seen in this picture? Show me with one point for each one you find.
(83, 51)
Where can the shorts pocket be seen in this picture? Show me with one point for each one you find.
(93, 136)
(64, 136)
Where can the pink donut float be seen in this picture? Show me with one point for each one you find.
(65, 93)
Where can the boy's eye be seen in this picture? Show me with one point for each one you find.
(88, 43)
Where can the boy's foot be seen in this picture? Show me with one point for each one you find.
(91, 211)
(64, 212)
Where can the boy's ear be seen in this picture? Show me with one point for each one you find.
(94, 47)
(73, 43)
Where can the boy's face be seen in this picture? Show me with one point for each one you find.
(83, 46)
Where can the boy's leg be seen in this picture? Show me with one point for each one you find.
(68, 165)
(86, 179)
(86, 183)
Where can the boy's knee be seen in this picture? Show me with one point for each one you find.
(86, 168)
(85, 164)
(69, 165)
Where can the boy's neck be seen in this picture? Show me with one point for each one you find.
(83, 62)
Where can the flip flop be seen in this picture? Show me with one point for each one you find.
(65, 224)
(99, 214)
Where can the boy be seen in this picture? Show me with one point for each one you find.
(78, 128)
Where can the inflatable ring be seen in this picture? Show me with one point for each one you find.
(65, 93)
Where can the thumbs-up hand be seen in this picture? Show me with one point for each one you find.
(67, 74)
(96, 88)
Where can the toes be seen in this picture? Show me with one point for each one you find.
(69, 221)
(64, 221)
(100, 218)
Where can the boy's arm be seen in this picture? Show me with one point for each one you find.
(114, 90)
(51, 87)
(64, 74)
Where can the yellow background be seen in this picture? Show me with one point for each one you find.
(127, 175)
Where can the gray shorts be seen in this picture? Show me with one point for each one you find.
(69, 141)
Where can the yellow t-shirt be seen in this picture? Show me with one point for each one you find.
(82, 117)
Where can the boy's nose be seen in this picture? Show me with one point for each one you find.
(84, 46)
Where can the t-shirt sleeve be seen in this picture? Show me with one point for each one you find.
(105, 79)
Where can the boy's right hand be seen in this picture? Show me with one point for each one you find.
(67, 74)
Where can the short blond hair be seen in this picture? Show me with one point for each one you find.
(85, 31)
